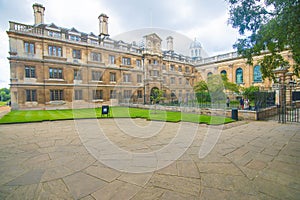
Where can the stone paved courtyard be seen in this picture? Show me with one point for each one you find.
(251, 160)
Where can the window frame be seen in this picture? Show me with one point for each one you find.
(112, 59)
(55, 51)
(31, 95)
(140, 94)
(98, 94)
(56, 74)
(78, 95)
(112, 77)
(97, 75)
(126, 61)
(255, 74)
(56, 95)
(76, 53)
(112, 94)
(30, 70)
(28, 47)
(127, 78)
(77, 75)
(139, 78)
(96, 57)
(242, 77)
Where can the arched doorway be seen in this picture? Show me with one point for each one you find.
(153, 95)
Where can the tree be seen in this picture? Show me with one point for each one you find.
(156, 97)
(201, 86)
(4, 94)
(267, 25)
(229, 85)
(250, 92)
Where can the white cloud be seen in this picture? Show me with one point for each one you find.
(4, 64)
(216, 36)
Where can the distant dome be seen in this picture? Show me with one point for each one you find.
(195, 44)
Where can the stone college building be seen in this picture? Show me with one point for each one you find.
(53, 67)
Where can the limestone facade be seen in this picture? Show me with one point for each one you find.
(53, 67)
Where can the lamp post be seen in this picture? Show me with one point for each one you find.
(143, 63)
(280, 73)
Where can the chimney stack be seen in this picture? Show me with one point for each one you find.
(38, 10)
(103, 25)
(170, 43)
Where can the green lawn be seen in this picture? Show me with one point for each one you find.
(22, 116)
(3, 103)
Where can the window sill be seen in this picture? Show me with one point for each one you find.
(94, 81)
(97, 100)
(58, 102)
(55, 58)
(122, 65)
(31, 103)
(30, 80)
(55, 79)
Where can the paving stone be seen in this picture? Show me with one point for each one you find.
(116, 190)
(251, 160)
(139, 179)
(55, 173)
(175, 183)
(212, 193)
(81, 184)
(25, 192)
(281, 191)
(286, 168)
(170, 195)
(102, 172)
(187, 168)
(218, 168)
(149, 193)
(169, 170)
(256, 165)
(55, 189)
(281, 178)
(29, 178)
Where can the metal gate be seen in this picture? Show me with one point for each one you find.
(289, 111)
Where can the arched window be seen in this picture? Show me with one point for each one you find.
(192, 52)
(239, 76)
(196, 52)
(209, 74)
(257, 77)
(223, 72)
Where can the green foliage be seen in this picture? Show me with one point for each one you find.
(21, 116)
(216, 88)
(156, 95)
(229, 85)
(201, 86)
(250, 92)
(203, 97)
(4, 94)
(272, 26)
(213, 90)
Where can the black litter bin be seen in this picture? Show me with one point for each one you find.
(234, 114)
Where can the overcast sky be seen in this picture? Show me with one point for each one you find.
(205, 20)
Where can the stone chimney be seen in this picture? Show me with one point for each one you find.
(103, 25)
(38, 10)
(170, 43)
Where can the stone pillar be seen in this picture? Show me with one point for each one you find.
(38, 10)
(170, 43)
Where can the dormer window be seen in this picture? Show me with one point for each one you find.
(54, 34)
(74, 38)
(94, 41)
